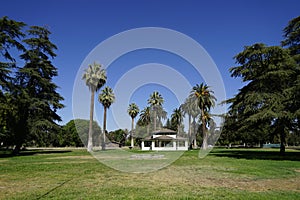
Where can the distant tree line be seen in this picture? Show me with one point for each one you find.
(75, 134)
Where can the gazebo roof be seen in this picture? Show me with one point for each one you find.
(147, 138)
(164, 138)
(164, 131)
(163, 135)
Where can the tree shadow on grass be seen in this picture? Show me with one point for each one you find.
(257, 154)
(9, 153)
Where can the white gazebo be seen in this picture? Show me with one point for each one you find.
(164, 140)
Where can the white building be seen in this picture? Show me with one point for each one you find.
(164, 140)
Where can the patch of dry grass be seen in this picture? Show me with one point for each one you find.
(78, 175)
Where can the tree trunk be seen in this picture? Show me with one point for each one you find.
(154, 121)
(17, 149)
(190, 131)
(90, 136)
(20, 129)
(282, 140)
(195, 132)
(204, 143)
(132, 127)
(104, 130)
(148, 129)
(205, 137)
(159, 123)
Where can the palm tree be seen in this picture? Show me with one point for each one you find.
(145, 118)
(190, 107)
(205, 100)
(155, 100)
(161, 114)
(106, 98)
(186, 108)
(95, 78)
(177, 118)
(195, 113)
(133, 110)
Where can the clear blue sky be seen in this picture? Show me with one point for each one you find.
(223, 28)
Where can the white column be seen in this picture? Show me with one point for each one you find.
(175, 145)
(143, 145)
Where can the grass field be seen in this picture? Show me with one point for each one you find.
(223, 174)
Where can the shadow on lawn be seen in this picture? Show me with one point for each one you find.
(9, 153)
(257, 155)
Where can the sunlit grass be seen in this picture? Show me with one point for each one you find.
(223, 174)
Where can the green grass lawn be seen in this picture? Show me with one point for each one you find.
(223, 174)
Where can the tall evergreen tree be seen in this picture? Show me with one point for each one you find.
(10, 38)
(292, 42)
(11, 35)
(266, 98)
(292, 38)
(36, 97)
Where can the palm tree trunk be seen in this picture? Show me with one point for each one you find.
(90, 136)
(154, 121)
(132, 127)
(148, 129)
(159, 123)
(190, 131)
(194, 133)
(204, 143)
(104, 129)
